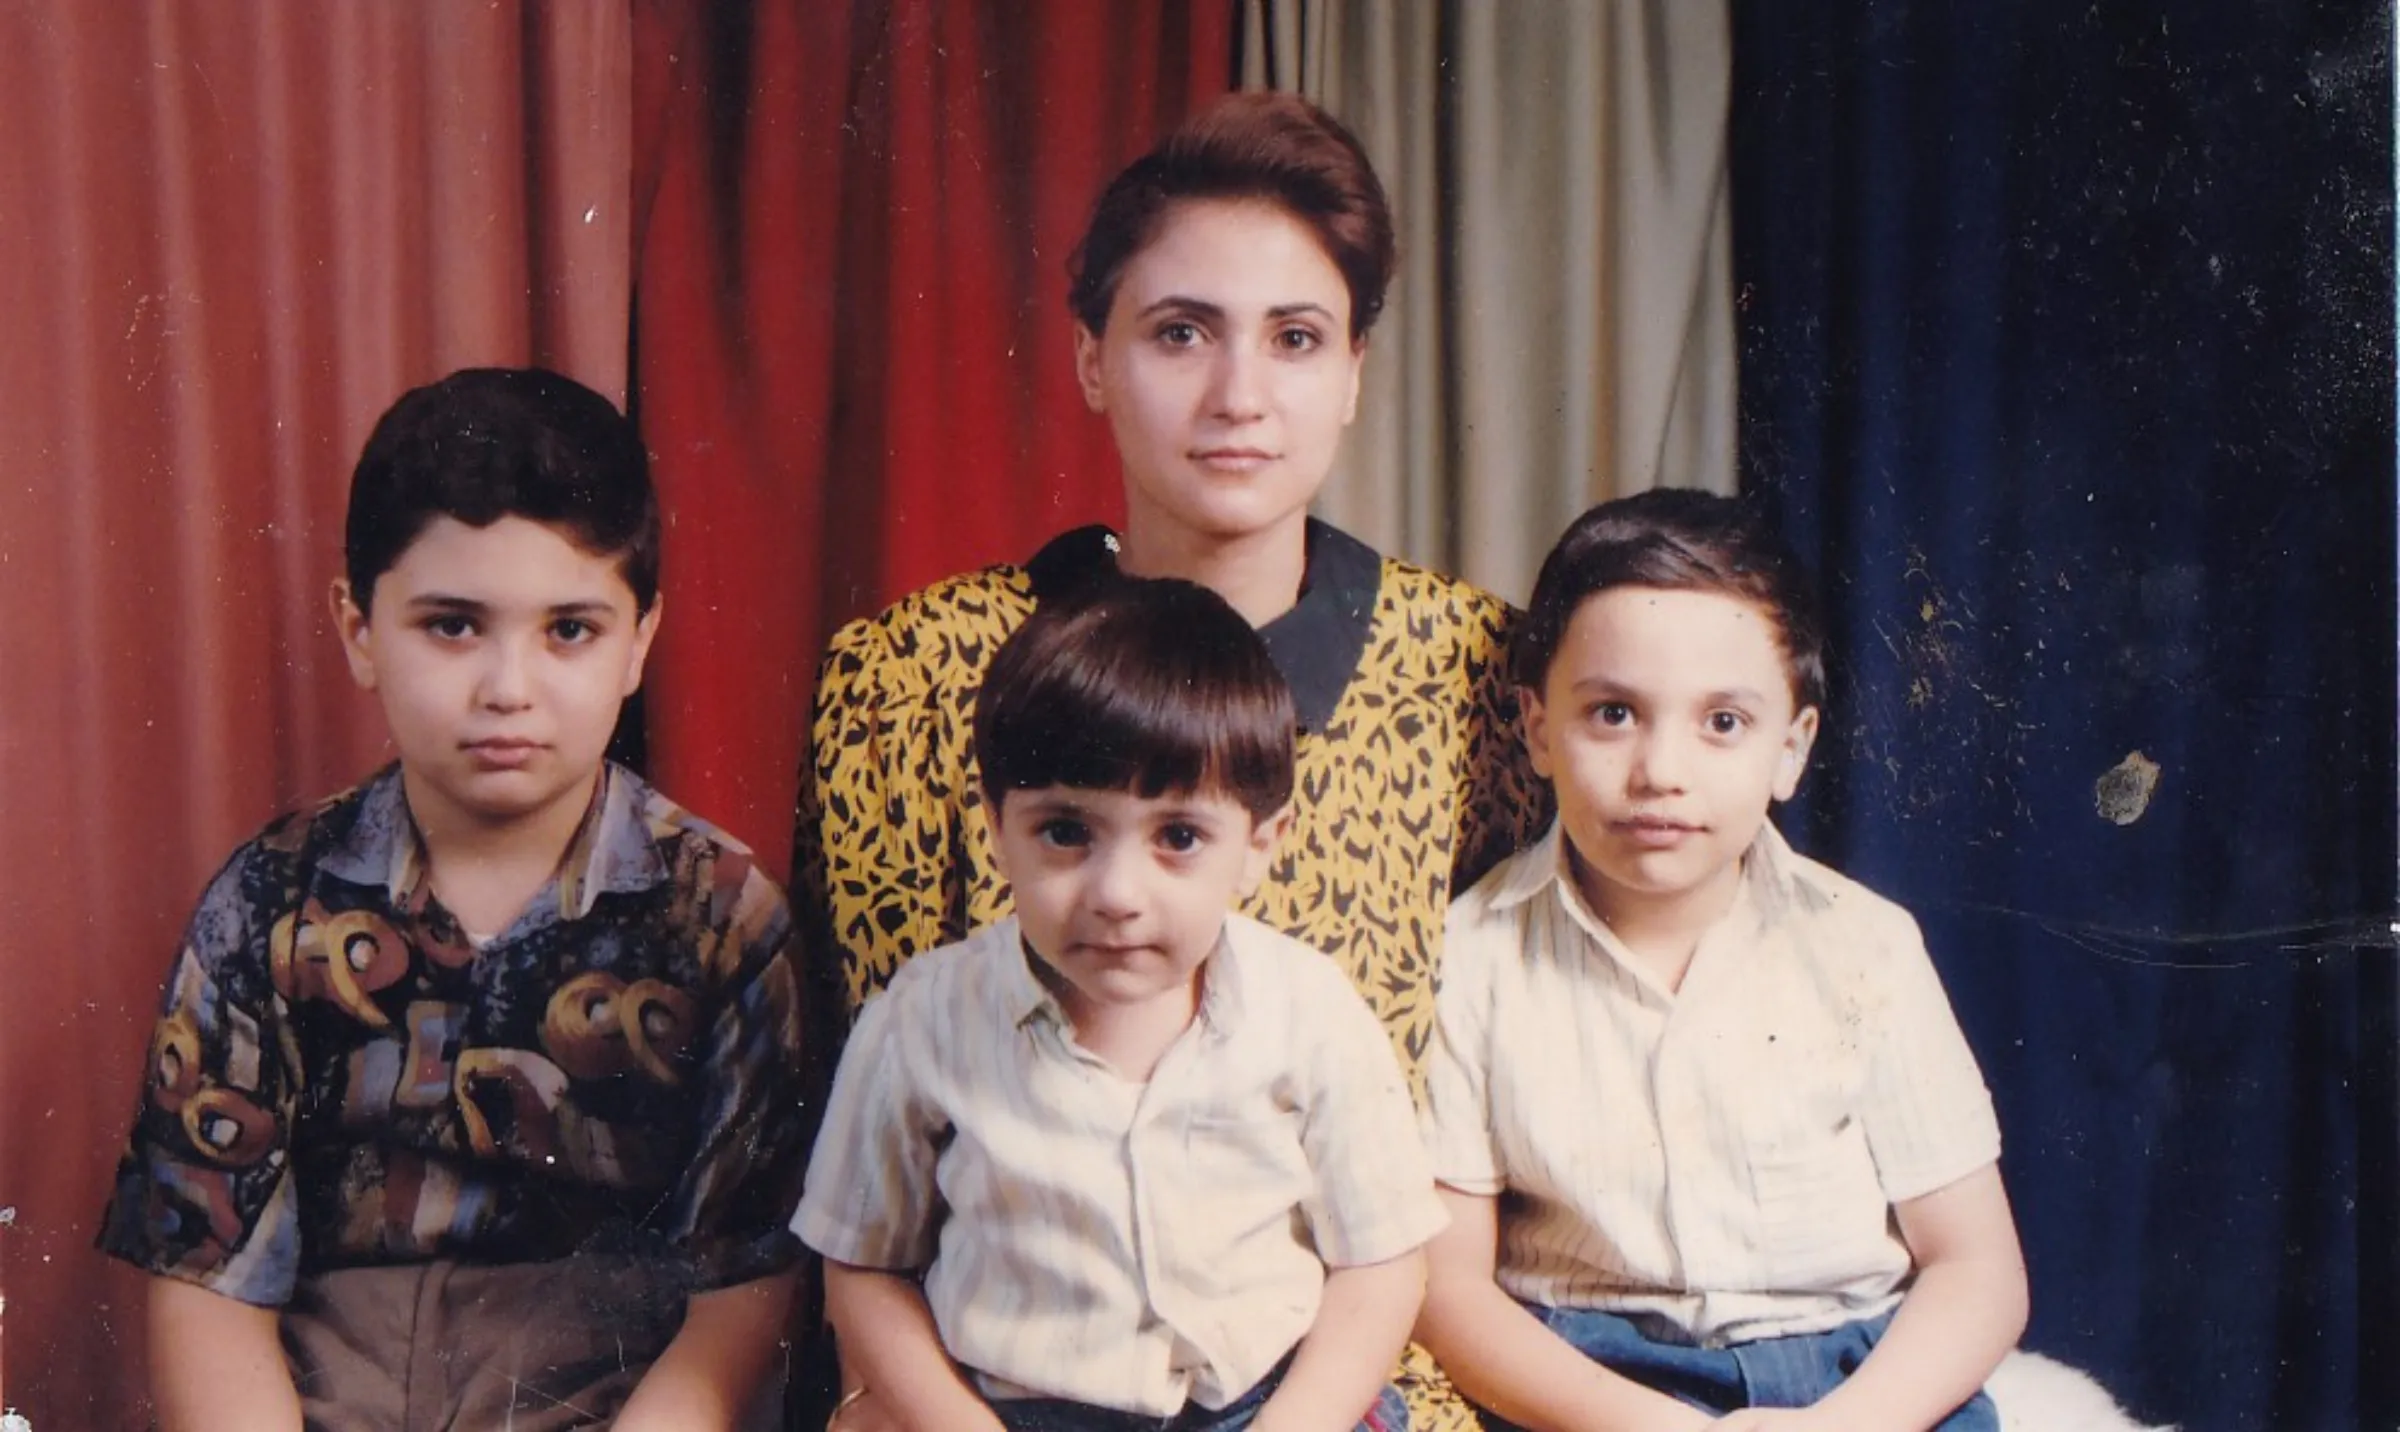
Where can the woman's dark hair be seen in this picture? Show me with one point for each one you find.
(1683, 540)
(1277, 148)
(1143, 684)
(488, 443)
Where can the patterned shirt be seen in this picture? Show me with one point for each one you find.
(1122, 1244)
(1720, 1161)
(341, 1076)
(1411, 783)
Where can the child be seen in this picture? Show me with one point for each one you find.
(1155, 1163)
(1706, 1127)
(473, 1084)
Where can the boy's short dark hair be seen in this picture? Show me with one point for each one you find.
(488, 443)
(1143, 684)
(1684, 540)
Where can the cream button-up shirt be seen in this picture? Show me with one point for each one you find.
(1718, 1163)
(1125, 1245)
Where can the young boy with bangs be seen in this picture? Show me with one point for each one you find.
(470, 1105)
(1714, 1150)
(1125, 1159)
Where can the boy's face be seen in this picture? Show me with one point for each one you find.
(1667, 724)
(1124, 895)
(501, 655)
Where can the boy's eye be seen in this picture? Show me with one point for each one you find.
(1180, 837)
(1726, 723)
(450, 627)
(572, 629)
(1064, 833)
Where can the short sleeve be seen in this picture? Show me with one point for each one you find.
(872, 1200)
(736, 1194)
(1457, 1120)
(1374, 1196)
(204, 1190)
(1927, 1115)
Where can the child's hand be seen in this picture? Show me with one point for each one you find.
(1776, 1419)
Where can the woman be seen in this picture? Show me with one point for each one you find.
(1223, 294)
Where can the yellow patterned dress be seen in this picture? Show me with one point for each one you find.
(1411, 784)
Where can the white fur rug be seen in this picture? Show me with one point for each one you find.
(2038, 1394)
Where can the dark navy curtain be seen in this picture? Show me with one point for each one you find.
(2067, 356)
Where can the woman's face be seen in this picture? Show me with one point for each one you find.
(1227, 373)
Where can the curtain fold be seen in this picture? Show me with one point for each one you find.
(1561, 329)
(2067, 351)
(853, 356)
(233, 235)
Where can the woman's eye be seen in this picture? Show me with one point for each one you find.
(1179, 333)
(1299, 340)
(1726, 723)
(572, 629)
(1613, 713)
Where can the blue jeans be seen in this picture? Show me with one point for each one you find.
(1055, 1414)
(1792, 1371)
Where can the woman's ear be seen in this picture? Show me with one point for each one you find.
(1358, 370)
(1087, 369)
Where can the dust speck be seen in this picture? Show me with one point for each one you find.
(2123, 794)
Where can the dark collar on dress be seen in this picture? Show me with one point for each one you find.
(1316, 645)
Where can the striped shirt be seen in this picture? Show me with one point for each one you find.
(1124, 1245)
(1718, 1163)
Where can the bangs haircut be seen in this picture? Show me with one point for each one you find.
(1259, 145)
(1680, 540)
(1148, 685)
(488, 443)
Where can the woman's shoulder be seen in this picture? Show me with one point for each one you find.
(1435, 634)
(934, 632)
(1427, 597)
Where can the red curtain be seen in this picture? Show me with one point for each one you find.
(852, 354)
(234, 233)
(229, 235)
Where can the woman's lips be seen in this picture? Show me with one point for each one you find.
(1232, 459)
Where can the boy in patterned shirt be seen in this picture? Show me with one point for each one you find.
(1125, 1158)
(470, 1103)
(1714, 1150)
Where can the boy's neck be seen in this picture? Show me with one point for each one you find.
(1258, 575)
(1662, 933)
(1130, 1038)
(486, 872)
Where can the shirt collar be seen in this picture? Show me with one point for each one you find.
(1316, 645)
(614, 850)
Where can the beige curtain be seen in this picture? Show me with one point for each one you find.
(229, 235)
(1562, 327)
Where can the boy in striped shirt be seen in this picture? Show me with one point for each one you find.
(1125, 1158)
(1714, 1150)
